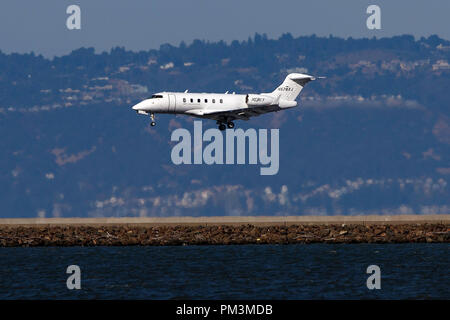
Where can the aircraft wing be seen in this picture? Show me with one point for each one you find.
(234, 114)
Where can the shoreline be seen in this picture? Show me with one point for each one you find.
(235, 220)
(223, 230)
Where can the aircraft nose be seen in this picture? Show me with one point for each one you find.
(139, 106)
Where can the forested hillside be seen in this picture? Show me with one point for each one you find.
(373, 137)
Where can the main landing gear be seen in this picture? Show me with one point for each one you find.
(222, 126)
(152, 116)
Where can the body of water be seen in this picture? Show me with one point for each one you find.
(315, 271)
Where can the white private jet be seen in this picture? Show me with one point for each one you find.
(224, 107)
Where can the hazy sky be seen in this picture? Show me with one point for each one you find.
(40, 26)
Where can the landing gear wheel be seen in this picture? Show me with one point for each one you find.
(230, 125)
(222, 127)
(152, 116)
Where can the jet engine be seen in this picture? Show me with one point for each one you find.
(258, 100)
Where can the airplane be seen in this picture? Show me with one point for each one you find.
(225, 108)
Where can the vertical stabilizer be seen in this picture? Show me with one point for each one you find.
(292, 86)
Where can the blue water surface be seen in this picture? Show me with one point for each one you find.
(314, 271)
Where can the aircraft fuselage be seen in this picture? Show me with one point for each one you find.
(225, 107)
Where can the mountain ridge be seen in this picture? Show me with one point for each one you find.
(371, 138)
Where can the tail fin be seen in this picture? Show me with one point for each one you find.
(292, 85)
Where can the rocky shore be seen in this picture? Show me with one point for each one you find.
(128, 235)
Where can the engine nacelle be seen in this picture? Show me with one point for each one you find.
(258, 100)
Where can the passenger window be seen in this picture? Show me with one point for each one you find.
(184, 99)
(214, 100)
(198, 100)
(221, 101)
(192, 100)
(206, 100)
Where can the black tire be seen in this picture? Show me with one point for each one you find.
(222, 127)
(153, 123)
(230, 125)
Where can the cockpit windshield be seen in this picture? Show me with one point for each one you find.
(155, 96)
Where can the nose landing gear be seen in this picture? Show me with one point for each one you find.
(152, 116)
